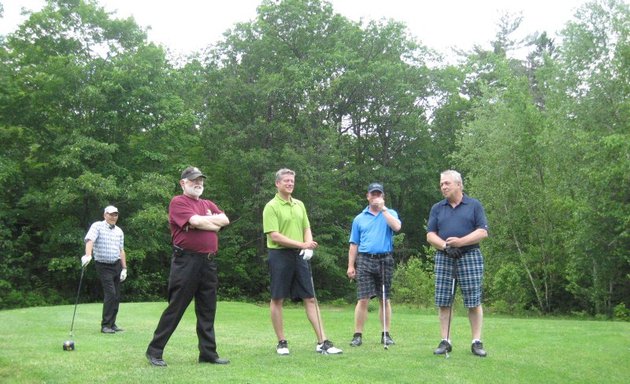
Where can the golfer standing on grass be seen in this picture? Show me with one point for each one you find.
(194, 225)
(371, 246)
(456, 226)
(107, 242)
(288, 231)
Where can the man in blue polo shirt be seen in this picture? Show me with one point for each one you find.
(371, 246)
(456, 226)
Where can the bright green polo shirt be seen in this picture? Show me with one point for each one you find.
(287, 217)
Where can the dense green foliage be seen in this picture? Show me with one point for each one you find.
(92, 114)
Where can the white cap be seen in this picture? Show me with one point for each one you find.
(111, 209)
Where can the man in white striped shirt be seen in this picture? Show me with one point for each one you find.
(107, 242)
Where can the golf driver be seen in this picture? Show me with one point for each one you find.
(319, 323)
(68, 345)
(385, 346)
(450, 309)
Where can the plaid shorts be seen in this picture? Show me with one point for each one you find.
(469, 278)
(369, 276)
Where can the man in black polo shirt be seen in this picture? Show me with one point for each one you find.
(371, 246)
(456, 226)
(194, 225)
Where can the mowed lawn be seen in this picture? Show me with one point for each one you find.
(531, 350)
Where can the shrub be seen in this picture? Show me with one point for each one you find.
(621, 312)
(413, 283)
(507, 292)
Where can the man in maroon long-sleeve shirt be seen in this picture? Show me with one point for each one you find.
(194, 224)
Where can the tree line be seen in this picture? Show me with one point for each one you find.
(92, 113)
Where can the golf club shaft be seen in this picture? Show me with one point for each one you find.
(384, 304)
(450, 308)
(76, 302)
(450, 311)
(319, 323)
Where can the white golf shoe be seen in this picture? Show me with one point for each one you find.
(327, 348)
(282, 348)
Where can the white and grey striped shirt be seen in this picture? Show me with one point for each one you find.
(108, 242)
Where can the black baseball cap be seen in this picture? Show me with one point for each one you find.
(375, 187)
(191, 173)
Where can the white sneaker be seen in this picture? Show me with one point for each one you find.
(327, 348)
(282, 348)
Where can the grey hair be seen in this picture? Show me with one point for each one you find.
(457, 177)
(284, 171)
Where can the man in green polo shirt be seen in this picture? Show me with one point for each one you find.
(288, 231)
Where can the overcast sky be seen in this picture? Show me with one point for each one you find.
(185, 26)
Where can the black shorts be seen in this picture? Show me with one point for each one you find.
(290, 275)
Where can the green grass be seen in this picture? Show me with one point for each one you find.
(520, 350)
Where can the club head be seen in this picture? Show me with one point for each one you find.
(68, 345)
(385, 347)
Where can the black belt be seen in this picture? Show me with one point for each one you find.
(178, 251)
(114, 263)
(375, 255)
(209, 256)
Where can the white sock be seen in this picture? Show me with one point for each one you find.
(473, 342)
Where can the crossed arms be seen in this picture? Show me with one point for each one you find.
(210, 222)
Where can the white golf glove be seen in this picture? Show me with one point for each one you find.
(123, 275)
(85, 260)
(306, 254)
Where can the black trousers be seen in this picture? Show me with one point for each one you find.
(191, 276)
(110, 280)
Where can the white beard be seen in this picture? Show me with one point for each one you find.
(195, 190)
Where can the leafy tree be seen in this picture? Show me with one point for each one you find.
(502, 144)
(91, 114)
(305, 88)
(589, 100)
(95, 115)
(550, 131)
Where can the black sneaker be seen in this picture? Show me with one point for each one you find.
(117, 328)
(443, 348)
(387, 339)
(155, 361)
(477, 349)
(356, 340)
(107, 330)
(282, 348)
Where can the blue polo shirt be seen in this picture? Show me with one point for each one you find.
(465, 218)
(371, 232)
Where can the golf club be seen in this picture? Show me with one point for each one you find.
(68, 345)
(385, 346)
(319, 324)
(450, 309)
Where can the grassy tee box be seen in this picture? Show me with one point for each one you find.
(519, 350)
